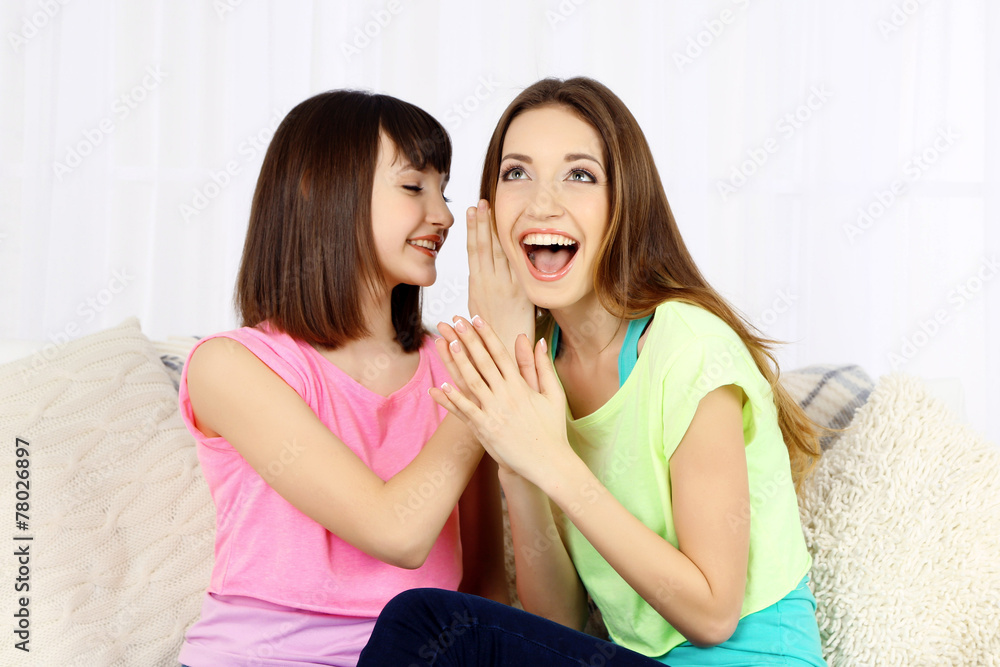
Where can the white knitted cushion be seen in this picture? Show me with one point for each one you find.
(121, 518)
(903, 520)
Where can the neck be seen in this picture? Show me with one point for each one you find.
(588, 330)
(378, 317)
(381, 338)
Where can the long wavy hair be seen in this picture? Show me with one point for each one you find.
(643, 261)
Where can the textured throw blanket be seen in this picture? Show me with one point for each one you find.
(903, 520)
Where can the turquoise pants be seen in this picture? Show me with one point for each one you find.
(783, 634)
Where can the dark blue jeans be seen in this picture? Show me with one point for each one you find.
(429, 626)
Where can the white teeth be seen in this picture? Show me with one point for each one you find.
(547, 239)
(423, 243)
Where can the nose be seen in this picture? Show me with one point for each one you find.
(544, 203)
(439, 215)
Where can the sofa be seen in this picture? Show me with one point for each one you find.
(113, 548)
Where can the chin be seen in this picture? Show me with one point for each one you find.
(425, 282)
(549, 296)
(416, 281)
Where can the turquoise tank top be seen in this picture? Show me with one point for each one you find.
(629, 354)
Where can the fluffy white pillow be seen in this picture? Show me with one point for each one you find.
(903, 520)
(120, 516)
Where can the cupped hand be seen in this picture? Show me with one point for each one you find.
(494, 292)
(516, 409)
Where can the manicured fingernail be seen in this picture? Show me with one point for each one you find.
(482, 205)
(455, 347)
(541, 341)
(477, 321)
(460, 326)
(446, 388)
(470, 214)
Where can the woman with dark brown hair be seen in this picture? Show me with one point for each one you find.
(336, 478)
(648, 455)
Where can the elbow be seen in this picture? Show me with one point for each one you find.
(407, 554)
(714, 631)
(406, 561)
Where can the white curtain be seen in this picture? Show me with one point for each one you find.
(830, 164)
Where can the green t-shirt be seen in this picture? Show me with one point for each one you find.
(628, 443)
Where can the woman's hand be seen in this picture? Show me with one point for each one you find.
(528, 373)
(516, 410)
(494, 293)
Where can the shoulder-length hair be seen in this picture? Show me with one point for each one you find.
(643, 260)
(310, 254)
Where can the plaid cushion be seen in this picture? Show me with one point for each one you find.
(829, 394)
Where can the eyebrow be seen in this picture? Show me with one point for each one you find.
(581, 156)
(570, 157)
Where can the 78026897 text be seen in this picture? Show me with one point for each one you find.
(22, 543)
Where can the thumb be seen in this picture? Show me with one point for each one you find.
(548, 383)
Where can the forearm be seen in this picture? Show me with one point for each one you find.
(547, 582)
(481, 518)
(409, 516)
(667, 579)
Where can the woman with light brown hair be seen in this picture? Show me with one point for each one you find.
(648, 455)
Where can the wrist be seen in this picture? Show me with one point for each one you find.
(514, 484)
(574, 488)
(561, 468)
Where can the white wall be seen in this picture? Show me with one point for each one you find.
(163, 97)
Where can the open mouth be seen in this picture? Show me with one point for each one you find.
(549, 254)
(429, 245)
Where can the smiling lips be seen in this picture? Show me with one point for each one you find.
(549, 253)
(429, 245)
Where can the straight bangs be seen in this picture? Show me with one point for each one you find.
(419, 138)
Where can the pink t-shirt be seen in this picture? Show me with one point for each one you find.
(268, 550)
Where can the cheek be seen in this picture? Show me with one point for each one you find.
(504, 214)
(600, 216)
